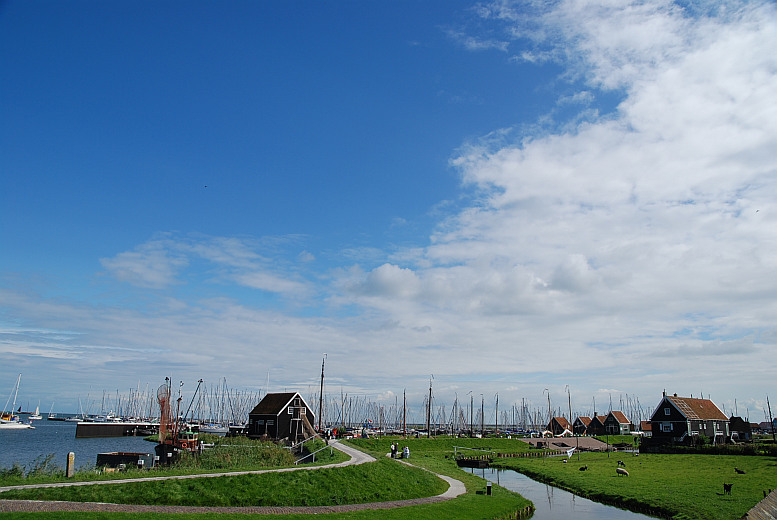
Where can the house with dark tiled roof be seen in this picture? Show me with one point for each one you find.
(559, 425)
(684, 419)
(596, 426)
(646, 428)
(616, 423)
(580, 425)
(281, 416)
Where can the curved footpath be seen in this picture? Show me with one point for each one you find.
(455, 489)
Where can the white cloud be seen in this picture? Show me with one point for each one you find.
(633, 251)
(151, 265)
(157, 263)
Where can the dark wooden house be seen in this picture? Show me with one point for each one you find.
(616, 423)
(580, 426)
(684, 419)
(559, 425)
(281, 416)
(740, 429)
(596, 426)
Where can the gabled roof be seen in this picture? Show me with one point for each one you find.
(273, 404)
(646, 426)
(562, 421)
(620, 417)
(599, 418)
(692, 408)
(584, 419)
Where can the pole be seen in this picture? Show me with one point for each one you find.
(321, 394)
(404, 413)
(482, 430)
(471, 414)
(496, 416)
(771, 418)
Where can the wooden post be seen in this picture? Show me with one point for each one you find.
(71, 465)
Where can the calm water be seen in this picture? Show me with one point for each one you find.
(552, 503)
(59, 438)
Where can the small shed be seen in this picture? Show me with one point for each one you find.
(281, 416)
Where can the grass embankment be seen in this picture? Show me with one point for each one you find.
(376, 482)
(687, 487)
(384, 478)
(227, 454)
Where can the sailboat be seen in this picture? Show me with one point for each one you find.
(9, 421)
(37, 416)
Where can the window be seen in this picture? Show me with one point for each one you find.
(666, 427)
(270, 422)
(291, 410)
(302, 411)
(667, 411)
(260, 422)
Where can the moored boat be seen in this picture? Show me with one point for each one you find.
(9, 421)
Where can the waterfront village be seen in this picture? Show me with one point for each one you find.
(223, 432)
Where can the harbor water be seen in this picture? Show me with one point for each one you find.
(27, 447)
(552, 503)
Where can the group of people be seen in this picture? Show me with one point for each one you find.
(395, 450)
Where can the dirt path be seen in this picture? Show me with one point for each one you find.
(455, 489)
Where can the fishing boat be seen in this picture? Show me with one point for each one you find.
(175, 435)
(9, 421)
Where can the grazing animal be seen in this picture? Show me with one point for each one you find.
(727, 488)
(739, 471)
(621, 471)
(621, 463)
(583, 468)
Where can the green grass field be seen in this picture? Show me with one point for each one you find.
(679, 486)
(382, 480)
(374, 482)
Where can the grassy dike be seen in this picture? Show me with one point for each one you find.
(378, 481)
(683, 487)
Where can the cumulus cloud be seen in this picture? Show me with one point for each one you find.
(603, 239)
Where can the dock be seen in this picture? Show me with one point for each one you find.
(113, 429)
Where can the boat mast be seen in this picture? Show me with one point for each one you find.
(321, 393)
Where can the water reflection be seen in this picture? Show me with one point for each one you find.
(553, 503)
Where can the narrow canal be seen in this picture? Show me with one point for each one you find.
(552, 503)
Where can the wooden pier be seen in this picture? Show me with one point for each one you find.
(113, 429)
(766, 509)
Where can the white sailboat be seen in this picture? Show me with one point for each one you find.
(9, 421)
(37, 416)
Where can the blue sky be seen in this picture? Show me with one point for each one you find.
(512, 197)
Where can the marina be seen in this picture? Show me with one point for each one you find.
(29, 448)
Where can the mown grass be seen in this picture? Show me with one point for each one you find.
(434, 454)
(441, 446)
(228, 454)
(374, 482)
(688, 487)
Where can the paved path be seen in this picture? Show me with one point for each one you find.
(455, 489)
